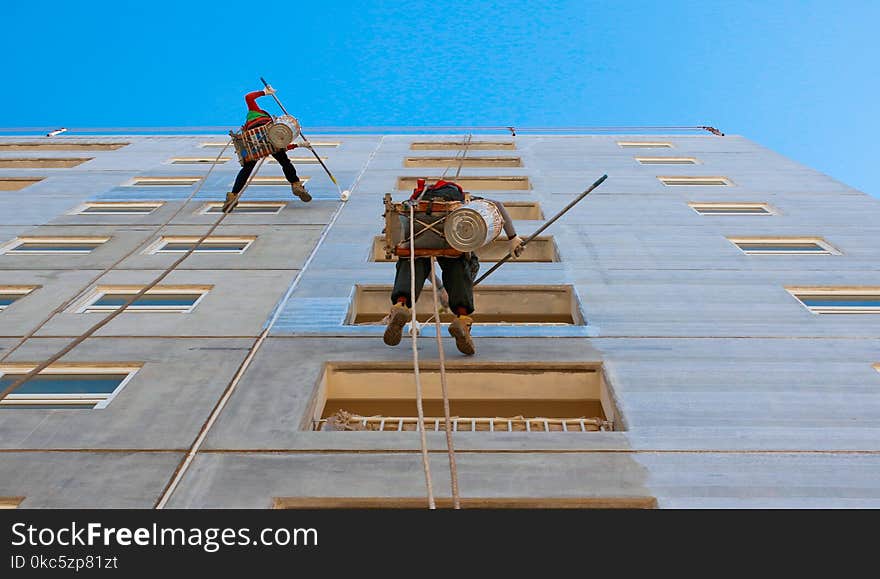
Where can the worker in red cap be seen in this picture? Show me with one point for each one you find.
(458, 276)
(257, 117)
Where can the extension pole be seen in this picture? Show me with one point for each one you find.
(543, 227)
(308, 145)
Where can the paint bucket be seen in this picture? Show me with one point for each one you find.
(473, 225)
(283, 131)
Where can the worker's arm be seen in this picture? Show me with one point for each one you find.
(509, 228)
(516, 241)
(251, 98)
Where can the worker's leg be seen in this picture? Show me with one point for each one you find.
(290, 174)
(243, 175)
(240, 180)
(442, 295)
(400, 293)
(286, 166)
(459, 281)
(401, 300)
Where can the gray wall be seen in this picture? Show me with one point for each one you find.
(733, 394)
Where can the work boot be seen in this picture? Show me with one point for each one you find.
(398, 318)
(460, 329)
(230, 203)
(300, 191)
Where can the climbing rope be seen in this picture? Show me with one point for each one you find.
(467, 144)
(415, 350)
(459, 156)
(116, 263)
(88, 333)
(450, 447)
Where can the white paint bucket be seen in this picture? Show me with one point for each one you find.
(473, 225)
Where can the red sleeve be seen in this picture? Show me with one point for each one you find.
(251, 100)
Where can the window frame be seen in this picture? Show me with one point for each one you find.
(73, 400)
(695, 180)
(660, 161)
(768, 209)
(22, 291)
(163, 181)
(9, 248)
(828, 249)
(797, 292)
(205, 209)
(88, 304)
(10, 502)
(155, 248)
(645, 144)
(82, 209)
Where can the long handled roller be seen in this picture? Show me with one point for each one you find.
(598, 182)
(342, 194)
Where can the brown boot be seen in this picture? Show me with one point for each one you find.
(300, 191)
(230, 203)
(460, 329)
(398, 318)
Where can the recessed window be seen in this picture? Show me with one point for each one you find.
(221, 144)
(690, 180)
(644, 145)
(199, 160)
(495, 304)
(783, 245)
(839, 300)
(160, 299)
(60, 146)
(454, 145)
(466, 503)
(472, 183)
(271, 181)
(164, 181)
(299, 160)
(540, 249)
(10, 502)
(519, 397)
(44, 245)
(118, 208)
(43, 163)
(260, 207)
(213, 244)
(73, 386)
(17, 183)
(666, 160)
(524, 210)
(10, 294)
(462, 162)
(732, 208)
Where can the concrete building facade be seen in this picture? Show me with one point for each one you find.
(714, 303)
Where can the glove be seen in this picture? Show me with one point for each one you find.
(516, 246)
(269, 90)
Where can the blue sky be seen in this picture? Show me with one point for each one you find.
(798, 77)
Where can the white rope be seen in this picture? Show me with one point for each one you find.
(415, 349)
(450, 447)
